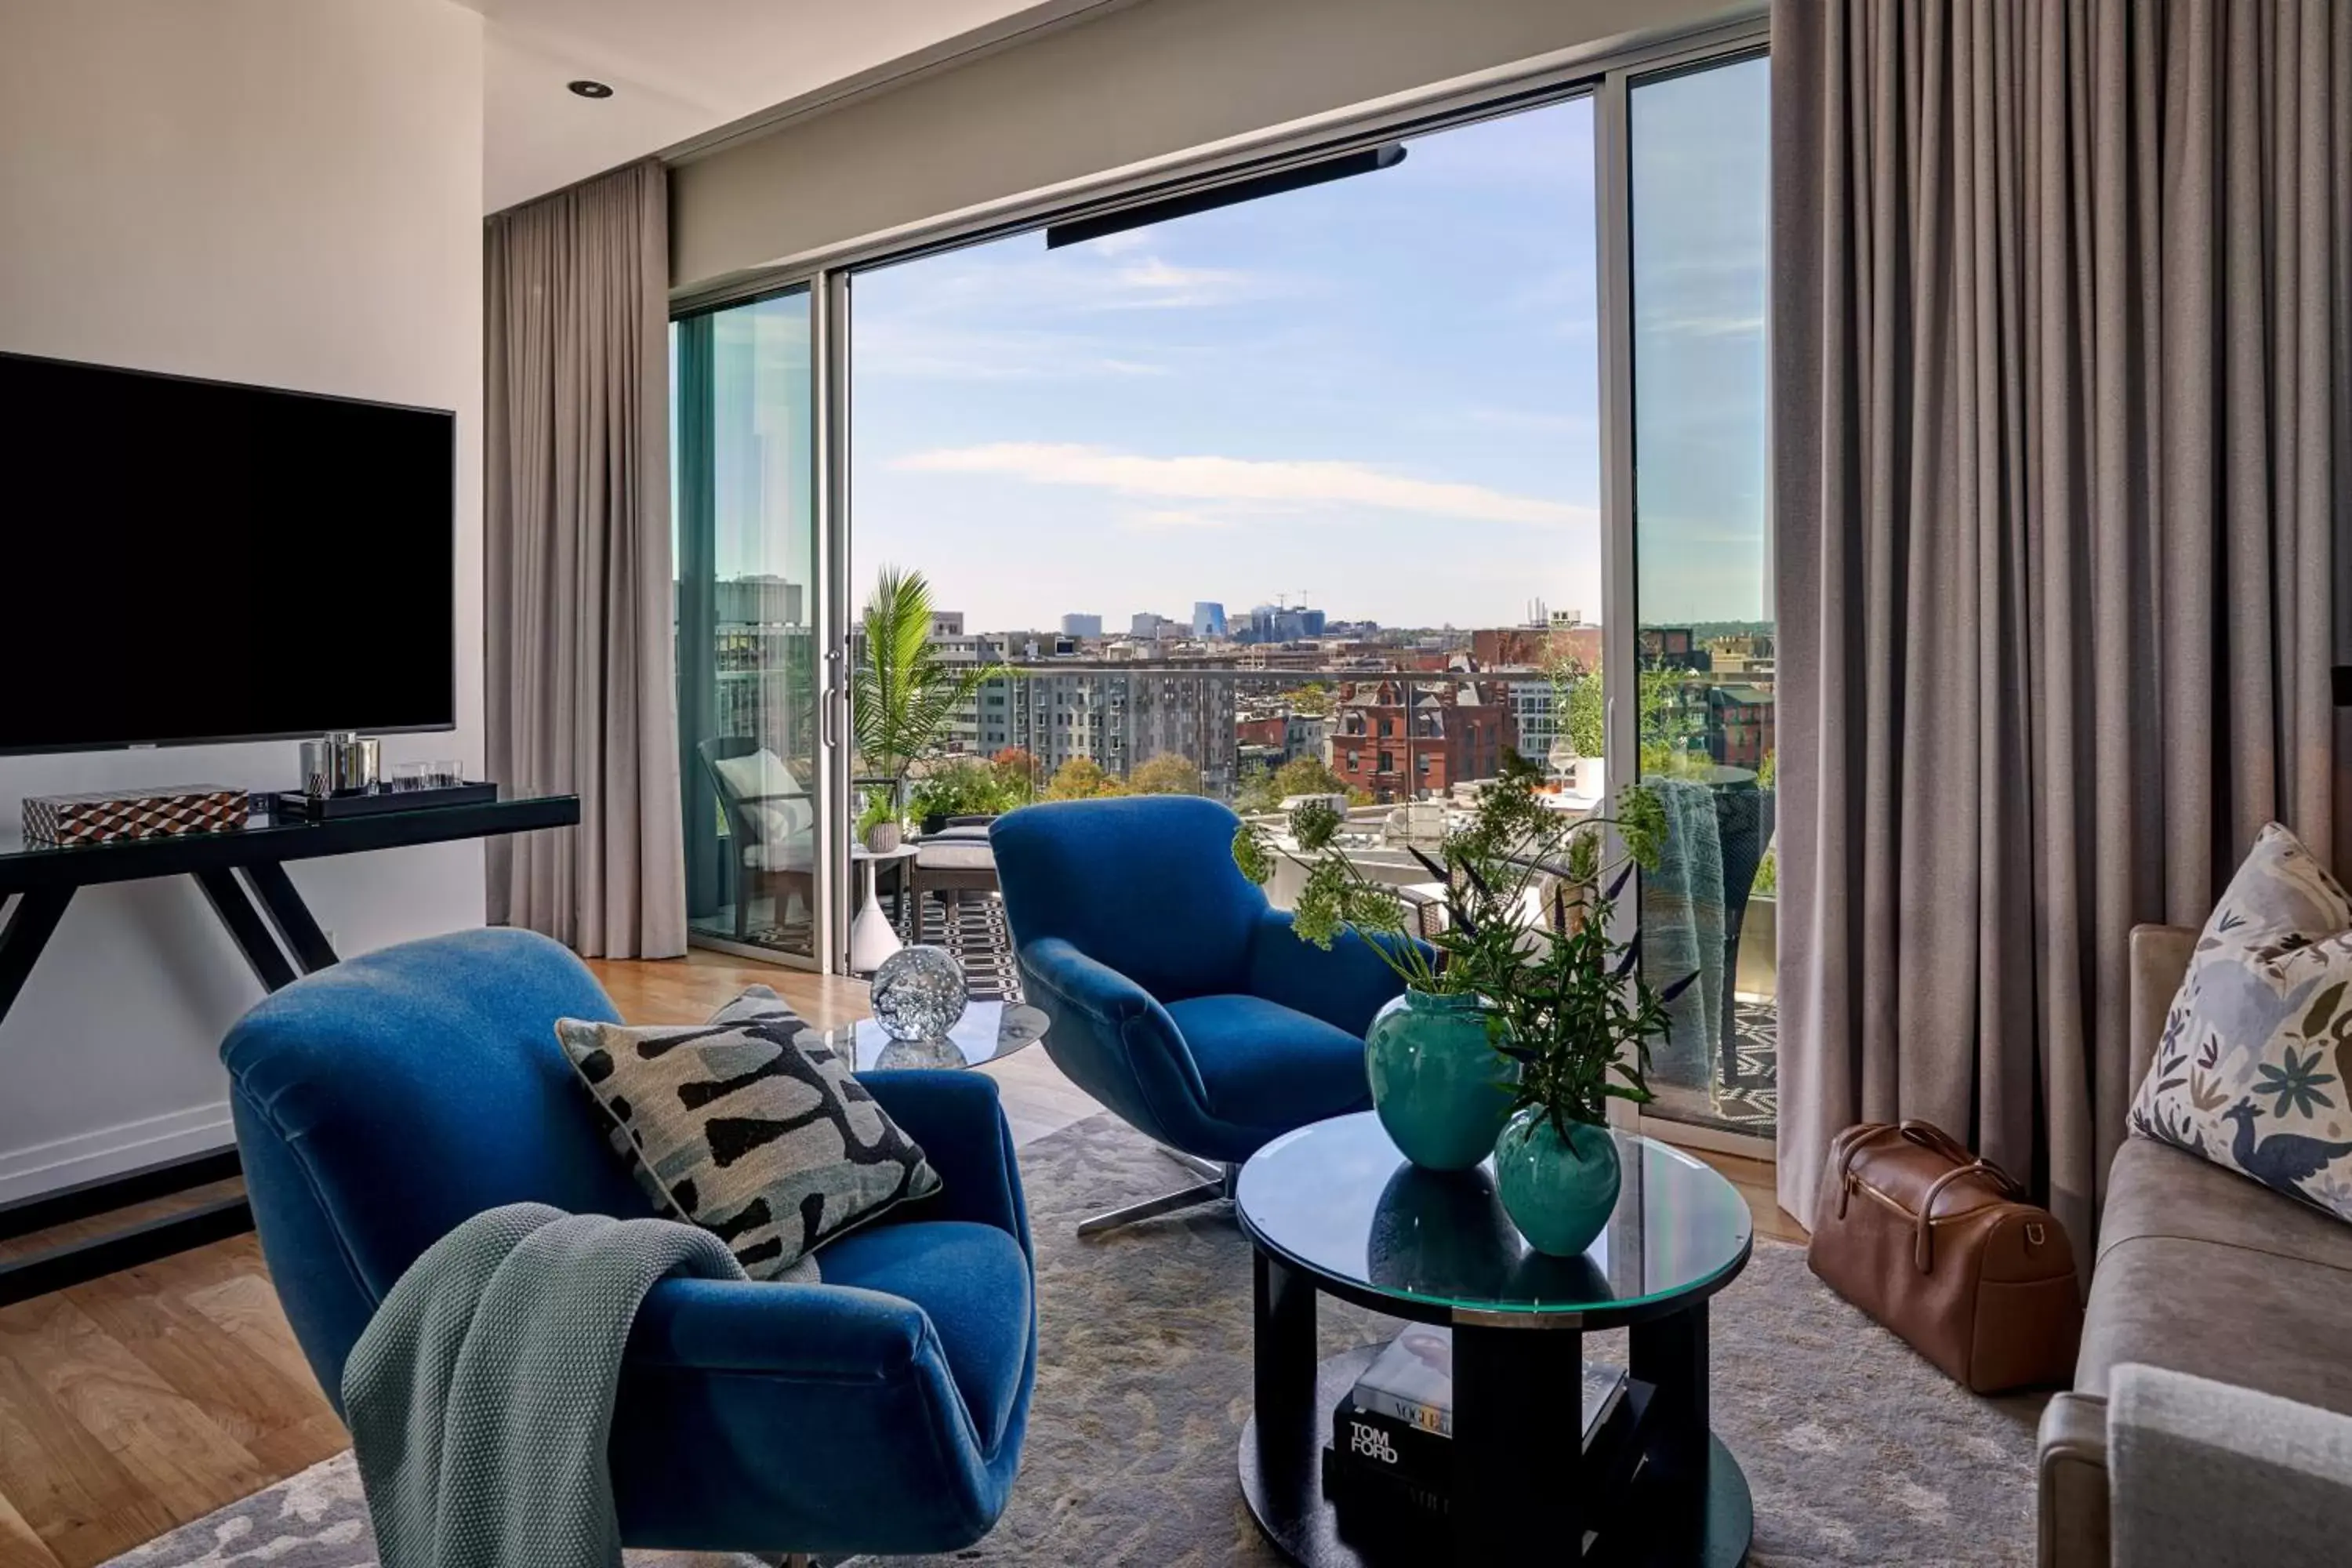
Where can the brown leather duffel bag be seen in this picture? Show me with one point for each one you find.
(1936, 1245)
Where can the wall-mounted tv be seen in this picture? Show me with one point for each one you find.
(185, 561)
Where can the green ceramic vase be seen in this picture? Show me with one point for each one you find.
(1558, 1192)
(1442, 1090)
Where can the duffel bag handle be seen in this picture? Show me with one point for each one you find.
(1923, 1245)
(1927, 1135)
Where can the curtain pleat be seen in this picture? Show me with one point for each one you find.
(577, 577)
(2061, 327)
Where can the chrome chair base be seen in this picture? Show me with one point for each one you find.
(1217, 1187)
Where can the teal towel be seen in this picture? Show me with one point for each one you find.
(480, 1394)
(1682, 931)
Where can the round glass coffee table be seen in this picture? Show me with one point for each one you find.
(986, 1031)
(1334, 1208)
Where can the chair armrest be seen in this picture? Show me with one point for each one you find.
(1114, 1040)
(1344, 987)
(958, 1118)
(2203, 1472)
(2073, 1467)
(825, 1334)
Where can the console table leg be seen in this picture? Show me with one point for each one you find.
(295, 921)
(28, 931)
(1518, 1431)
(246, 926)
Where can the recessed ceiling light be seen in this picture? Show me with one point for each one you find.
(586, 88)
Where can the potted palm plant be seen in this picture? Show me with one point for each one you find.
(903, 693)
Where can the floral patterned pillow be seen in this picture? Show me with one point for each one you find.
(2255, 1069)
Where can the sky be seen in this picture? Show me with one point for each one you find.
(1379, 395)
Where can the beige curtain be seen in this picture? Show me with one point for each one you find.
(2060, 308)
(577, 595)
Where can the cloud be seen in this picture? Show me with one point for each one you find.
(888, 347)
(1178, 520)
(1280, 482)
(1153, 284)
(1699, 325)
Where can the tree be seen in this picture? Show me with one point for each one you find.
(1081, 778)
(1584, 716)
(1312, 700)
(903, 693)
(1668, 723)
(1166, 773)
(1016, 770)
(1306, 775)
(1255, 791)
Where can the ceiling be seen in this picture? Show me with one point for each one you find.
(678, 69)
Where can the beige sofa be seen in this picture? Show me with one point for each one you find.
(2199, 1271)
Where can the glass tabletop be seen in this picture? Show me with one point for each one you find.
(1337, 1200)
(986, 1031)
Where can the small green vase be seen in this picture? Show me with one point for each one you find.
(1558, 1192)
(1442, 1090)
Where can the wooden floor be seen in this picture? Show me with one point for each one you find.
(135, 1403)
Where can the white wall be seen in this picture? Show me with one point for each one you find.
(287, 192)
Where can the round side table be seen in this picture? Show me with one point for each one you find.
(872, 937)
(1334, 1209)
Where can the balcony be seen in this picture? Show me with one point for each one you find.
(1721, 1067)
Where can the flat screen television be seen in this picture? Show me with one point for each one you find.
(185, 561)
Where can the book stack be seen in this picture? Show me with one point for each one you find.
(1389, 1468)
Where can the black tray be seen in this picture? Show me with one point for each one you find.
(294, 807)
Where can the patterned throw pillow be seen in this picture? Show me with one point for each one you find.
(2255, 1069)
(735, 1125)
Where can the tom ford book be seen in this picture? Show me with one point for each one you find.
(1411, 1382)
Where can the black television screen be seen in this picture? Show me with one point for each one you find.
(185, 561)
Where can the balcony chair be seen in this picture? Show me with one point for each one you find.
(381, 1101)
(1175, 993)
(771, 821)
(951, 862)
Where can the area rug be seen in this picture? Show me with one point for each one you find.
(1858, 1452)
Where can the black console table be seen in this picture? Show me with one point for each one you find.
(243, 874)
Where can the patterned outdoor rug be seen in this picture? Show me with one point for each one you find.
(1858, 1452)
(979, 937)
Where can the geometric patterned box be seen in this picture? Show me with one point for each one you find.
(159, 811)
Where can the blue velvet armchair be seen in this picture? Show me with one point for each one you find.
(380, 1102)
(1177, 996)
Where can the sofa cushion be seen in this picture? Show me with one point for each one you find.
(1265, 1064)
(973, 1282)
(2204, 1272)
(2253, 1068)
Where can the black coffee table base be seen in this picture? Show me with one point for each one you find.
(1517, 1499)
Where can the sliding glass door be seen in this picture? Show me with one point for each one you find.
(1696, 176)
(745, 547)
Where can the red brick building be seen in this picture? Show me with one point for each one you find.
(1535, 648)
(1260, 731)
(1453, 731)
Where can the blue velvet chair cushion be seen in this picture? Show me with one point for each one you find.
(972, 1281)
(1266, 1066)
(1146, 886)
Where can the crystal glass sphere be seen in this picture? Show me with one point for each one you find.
(918, 994)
